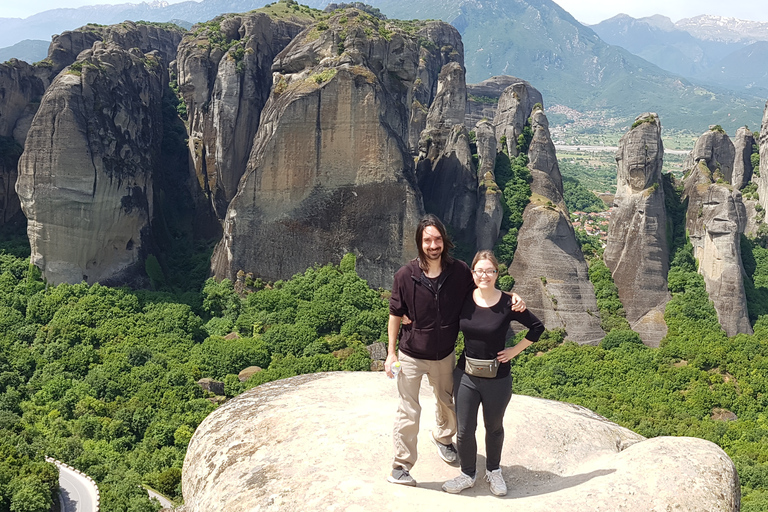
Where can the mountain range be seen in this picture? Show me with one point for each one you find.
(608, 73)
(722, 51)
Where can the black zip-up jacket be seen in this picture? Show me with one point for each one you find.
(433, 309)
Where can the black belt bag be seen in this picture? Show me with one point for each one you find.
(485, 368)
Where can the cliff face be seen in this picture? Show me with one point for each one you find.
(715, 220)
(225, 87)
(344, 182)
(549, 268)
(66, 46)
(742, 164)
(261, 451)
(446, 174)
(490, 210)
(636, 251)
(483, 98)
(21, 87)
(85, 175)
(514, 108)
(762, 181)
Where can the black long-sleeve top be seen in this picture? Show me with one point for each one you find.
(485, 329)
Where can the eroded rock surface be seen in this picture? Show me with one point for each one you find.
(282, 446)
(512, 113)
(483, 98)
(490, 211)
(85, 180)
(331, 171)
(549, 268)
(225, 92)
(742, 164)
(715, 220)
(716, 150)
(447, 176)
(636, 252)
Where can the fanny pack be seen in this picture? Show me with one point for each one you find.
(485, 368)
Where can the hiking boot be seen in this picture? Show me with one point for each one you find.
(447, 452)
(459, 483)
(401, 476)
(496, 481)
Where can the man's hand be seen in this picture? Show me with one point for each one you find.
(518, 304)
(391, 359)
(406, 320)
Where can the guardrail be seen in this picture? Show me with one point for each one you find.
(90, 480)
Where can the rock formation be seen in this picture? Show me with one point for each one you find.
(549, 268)
(762, 181)
(147, 37)
(483, 98)
(21, 87)
(636, 252)
(714, 148)
(344, 181)
(512, 113)
(715, 220)
(489, 211)
(742, 164)
(85, 180)
(224, 72)
(445, 171)
(282, 446)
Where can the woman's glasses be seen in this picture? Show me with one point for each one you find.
(485, 272)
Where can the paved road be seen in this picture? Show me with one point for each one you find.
(164, 502)
(77, 493)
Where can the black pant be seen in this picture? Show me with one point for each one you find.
(468, 393)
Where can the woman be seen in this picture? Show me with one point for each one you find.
(482, 374)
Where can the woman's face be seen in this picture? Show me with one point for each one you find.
(485, 274)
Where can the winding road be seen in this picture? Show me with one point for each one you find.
(77, 492)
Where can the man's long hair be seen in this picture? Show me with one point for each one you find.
(432, 220)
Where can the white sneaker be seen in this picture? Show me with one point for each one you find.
(459, 483)
(496, 480)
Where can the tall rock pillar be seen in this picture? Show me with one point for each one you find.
(637, 253)
(715, 220)
(549, 268)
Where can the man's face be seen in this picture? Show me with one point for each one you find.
(432, 243)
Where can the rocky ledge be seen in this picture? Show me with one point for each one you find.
(324, 442)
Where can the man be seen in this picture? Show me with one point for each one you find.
(430, 291)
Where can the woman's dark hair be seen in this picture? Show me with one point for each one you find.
(485, 255)
(432, 220)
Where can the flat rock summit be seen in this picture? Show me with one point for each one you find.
(324, 442)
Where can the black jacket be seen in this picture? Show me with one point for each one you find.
(434, 310)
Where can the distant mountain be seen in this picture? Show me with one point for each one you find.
(724, 30)
(55, 21)
(571, 65)
(29, 50)
(709, 49)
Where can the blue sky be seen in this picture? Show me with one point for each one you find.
(586, 11)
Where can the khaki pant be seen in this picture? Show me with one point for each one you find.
(440, 375)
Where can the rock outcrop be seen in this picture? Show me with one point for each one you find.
(310, 441)
(331, 171)
(85, 180)
(515, 106)
(224, 74)
(147, 37)
(21, 87)
(742, 164)
(636, 252)
(762, 181)
(714, 148)
(715, 220)
(549, 268)
(447, 176)
(483, 98)
(490, 210)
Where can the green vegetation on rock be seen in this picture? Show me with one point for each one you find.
(513, 178)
